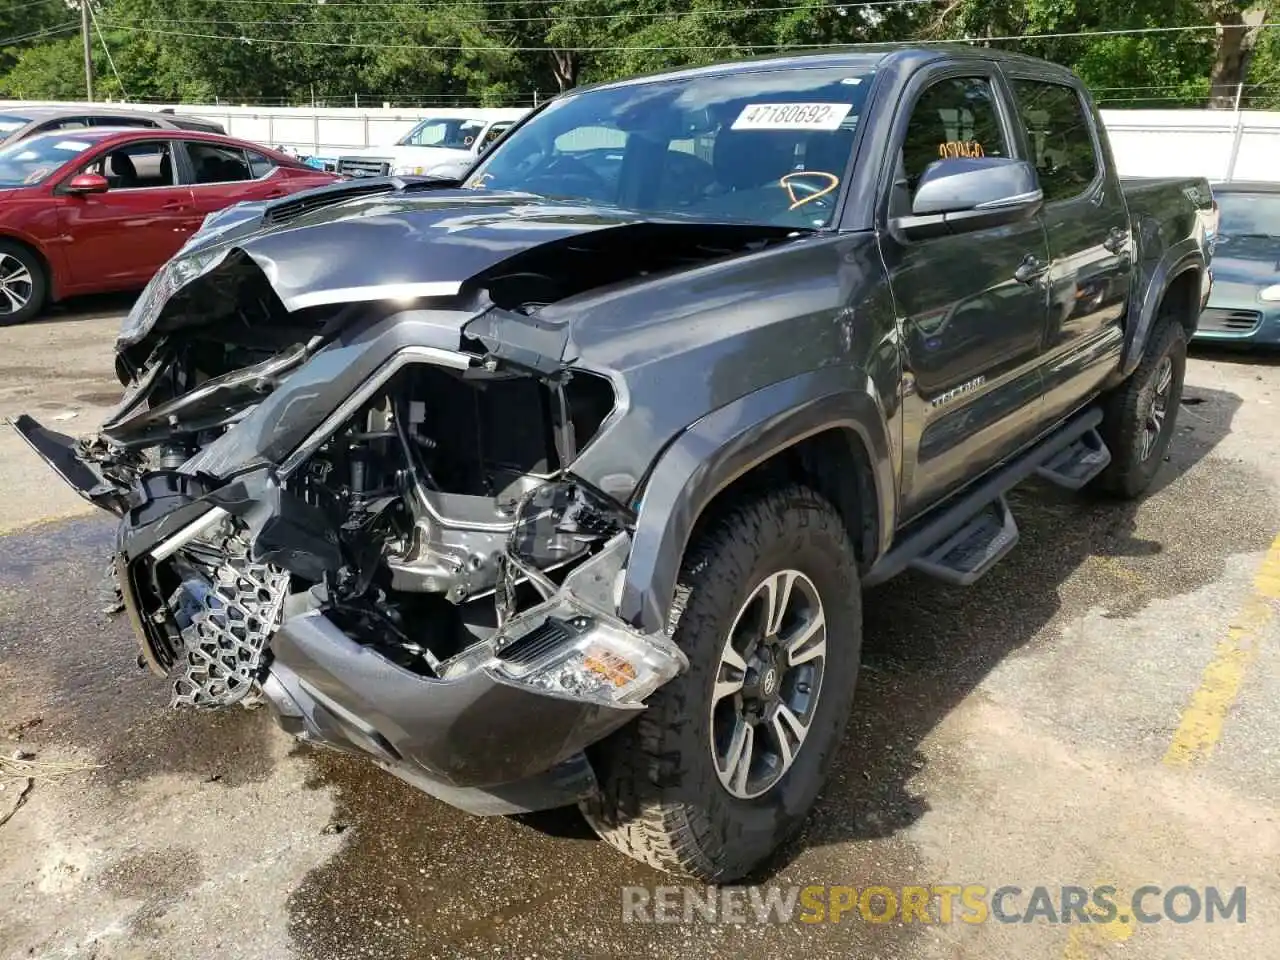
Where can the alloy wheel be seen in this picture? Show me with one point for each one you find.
(1159, 410)
(16, 284)
(767, 683)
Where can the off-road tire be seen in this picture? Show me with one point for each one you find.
(661, 800)
(1126, 411)
(39, 284)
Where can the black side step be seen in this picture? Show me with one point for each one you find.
(1077, 464)
(923, 535)
(974, 549)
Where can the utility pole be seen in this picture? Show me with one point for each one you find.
(88, 50)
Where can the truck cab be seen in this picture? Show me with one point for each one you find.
(562, 484)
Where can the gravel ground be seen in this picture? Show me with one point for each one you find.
(1101, 709)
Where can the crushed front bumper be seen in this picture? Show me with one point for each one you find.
(478, 742)
(489, 734)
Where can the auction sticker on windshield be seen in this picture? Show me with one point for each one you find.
(792, 116)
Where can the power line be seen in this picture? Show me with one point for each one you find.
(585, 16)
(456, 3)
(463, 48)
(29, 3)
(39, 34)
(110, 59)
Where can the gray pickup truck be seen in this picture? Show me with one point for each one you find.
(560, 484)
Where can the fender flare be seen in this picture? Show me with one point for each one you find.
(727, 443)
(1181, 257)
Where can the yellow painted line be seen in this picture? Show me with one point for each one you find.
(1200, 727)
(1081, 943)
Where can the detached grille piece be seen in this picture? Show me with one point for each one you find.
(231, 621)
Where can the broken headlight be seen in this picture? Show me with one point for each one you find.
(166, 282)
(588, 659)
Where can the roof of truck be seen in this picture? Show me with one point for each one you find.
(864, 57)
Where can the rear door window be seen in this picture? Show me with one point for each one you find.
(1059, 136)
(259, 165)
(63, 123)
(215, 163)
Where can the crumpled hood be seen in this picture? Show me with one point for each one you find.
(374, 248)
(402, 244)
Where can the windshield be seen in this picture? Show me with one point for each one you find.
(757, 147)
(1248, 215)
(451, 133)
(10, 123)
(37, 158)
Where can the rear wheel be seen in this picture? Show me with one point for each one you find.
(22, 283)
(728, 758)
(1138, 419)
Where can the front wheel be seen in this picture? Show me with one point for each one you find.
(22, 283)
(728, 758)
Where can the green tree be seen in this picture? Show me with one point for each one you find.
(500, 51)
(29, 24)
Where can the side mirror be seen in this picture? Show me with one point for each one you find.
(958, 195)
(83, 183)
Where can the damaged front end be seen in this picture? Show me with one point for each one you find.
(366, 514)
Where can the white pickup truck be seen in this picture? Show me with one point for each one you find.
(450, 139)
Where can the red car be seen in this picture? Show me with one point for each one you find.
(88, 211)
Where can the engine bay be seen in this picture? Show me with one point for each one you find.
(449, 497)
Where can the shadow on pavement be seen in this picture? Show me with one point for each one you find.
(1251, 355)
(415, 878)
(86, 308)
(928, 645)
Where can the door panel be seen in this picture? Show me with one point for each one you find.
(222, 175)
(971, 344)
(118, 239)
(1087, 225)
(970, 332)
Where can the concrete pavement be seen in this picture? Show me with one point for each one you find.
(1101, 709)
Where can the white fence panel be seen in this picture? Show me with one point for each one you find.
(1216, 144)
(1259, 157)
(1171, 143)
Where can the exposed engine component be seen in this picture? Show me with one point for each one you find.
(445, 494)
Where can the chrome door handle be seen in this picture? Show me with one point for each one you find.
(1117, 240)
(1031, 269)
